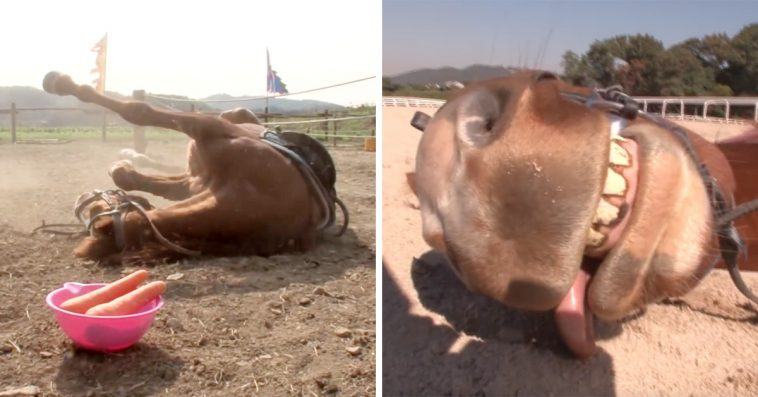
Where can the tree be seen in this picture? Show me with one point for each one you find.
(711, 65)
(630, 60)
(576, 70)
(387, 85)
(683, 73)
(742, 75)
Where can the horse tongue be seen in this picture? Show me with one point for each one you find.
(574, 319)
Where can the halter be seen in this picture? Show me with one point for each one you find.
(623, 109)
(731, 244)
(119, 204)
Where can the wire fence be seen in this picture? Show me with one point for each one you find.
(256, 98)
(332, 126)
(669, 107)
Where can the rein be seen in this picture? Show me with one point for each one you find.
(731, 244)
(117, 212)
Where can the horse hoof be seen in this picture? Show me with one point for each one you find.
(58, 83)
(125, 165)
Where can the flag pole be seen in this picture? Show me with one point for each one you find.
(268, 71)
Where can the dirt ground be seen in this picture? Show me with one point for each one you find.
(230, 326)
(441, 339)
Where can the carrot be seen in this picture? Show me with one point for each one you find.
(106, 293)
(131, 302)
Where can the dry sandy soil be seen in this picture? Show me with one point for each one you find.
(441, 339)
(230, 326)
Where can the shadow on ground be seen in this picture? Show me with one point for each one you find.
(141, 370)
(511, 352)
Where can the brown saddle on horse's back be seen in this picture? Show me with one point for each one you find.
(317, 167)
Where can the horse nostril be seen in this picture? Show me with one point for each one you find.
(546, 76)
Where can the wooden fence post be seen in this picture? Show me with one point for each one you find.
(334, 133)
(13, 122)
(265, 111)
(138, 132)
(326, 126)
(105, 124)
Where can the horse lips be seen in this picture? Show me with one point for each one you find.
(573, 315)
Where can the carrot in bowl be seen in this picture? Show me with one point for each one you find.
(106, 293)
(131, 302)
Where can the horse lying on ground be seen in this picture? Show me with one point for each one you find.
(246, 190)
(546, 196)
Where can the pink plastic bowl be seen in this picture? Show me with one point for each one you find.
(106, 334)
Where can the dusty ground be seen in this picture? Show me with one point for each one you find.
(231, 326)
(441, 339)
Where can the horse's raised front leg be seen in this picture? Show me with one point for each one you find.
(174, 187)
(197, 126)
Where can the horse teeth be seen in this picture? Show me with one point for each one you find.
(594, 238)
(619, 155)
(615, 184)
(606, 213)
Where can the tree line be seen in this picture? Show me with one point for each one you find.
(715, 64)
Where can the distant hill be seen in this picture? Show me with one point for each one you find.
(441, 75)
(91, 115)
(275, 105)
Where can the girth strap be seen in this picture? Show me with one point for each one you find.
(273, 139)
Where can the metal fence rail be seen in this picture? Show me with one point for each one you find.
(706, 102)
(13, 112)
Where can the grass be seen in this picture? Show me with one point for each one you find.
(362, 127)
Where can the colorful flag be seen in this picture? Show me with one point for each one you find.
(101, 48)
(274, 84)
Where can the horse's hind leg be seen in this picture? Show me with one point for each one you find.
(197, 126)
(175, 187)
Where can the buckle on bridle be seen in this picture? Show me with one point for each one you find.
(117, 211)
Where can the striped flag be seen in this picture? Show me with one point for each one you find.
(274, 84)
(101, 48)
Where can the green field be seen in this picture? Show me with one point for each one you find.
(361, 127)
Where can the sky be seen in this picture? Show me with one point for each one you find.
(420, 34)
(197, 49)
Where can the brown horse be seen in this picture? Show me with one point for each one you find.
(742, 153)
(544, 202)
(240, 193)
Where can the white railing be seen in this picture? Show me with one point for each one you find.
(728, 103)
(410, 102)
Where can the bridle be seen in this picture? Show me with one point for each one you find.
(119, 204)
(731, 244)
(624, 108)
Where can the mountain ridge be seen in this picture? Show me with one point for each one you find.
(448, 73)
(32, 97)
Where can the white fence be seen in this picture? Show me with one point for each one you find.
(706, 102)
(410, 102)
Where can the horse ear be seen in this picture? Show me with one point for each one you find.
(476, 117)
(420, 120)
